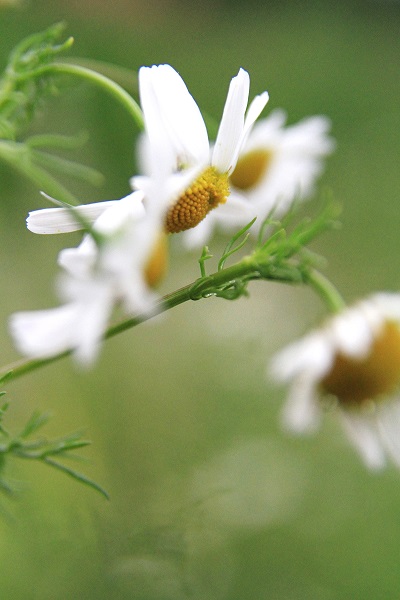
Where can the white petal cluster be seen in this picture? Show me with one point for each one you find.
(295, 160)
(373, 427)
(95, 277)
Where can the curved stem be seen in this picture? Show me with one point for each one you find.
(201, 288)
(245, 270)
(121, 75)
(105, 82)
(326, 290)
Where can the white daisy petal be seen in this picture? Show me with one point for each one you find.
(92, 324)
(171, 114)
(255, 109)
(352, 333)
(160, 154)
(388, 425)
(62, 220)
(44, 333)
(198, 236)
(79, 261)
(302, 410)
(312, 354)
(232, 123)
(364, 437)
(315, 130)
(266, 133)
(117, 214)
(388, 304)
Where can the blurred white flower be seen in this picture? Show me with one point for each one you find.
(95, 278)
(276, 166)
(175, 152)
(355, 358)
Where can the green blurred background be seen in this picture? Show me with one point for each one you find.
(209, 499)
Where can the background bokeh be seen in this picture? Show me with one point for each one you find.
(209, 499)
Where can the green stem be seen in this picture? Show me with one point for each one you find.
(245, 270)
(199, 289)
(326, 290)
(123, 75)
(24, 366)
(105, 82)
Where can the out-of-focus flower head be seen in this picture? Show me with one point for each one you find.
(121, 269)
(355, 359)
(277, 166)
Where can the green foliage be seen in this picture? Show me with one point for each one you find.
(280, 254)
(23, 86)
(281, 249)
(48, 452)
(231, 248)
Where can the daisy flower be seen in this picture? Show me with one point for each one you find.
(276, 166)
(176, 148)
(122, 269)
(355, 359)
(183, 173)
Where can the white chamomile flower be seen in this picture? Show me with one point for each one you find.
(183, 175)
(276, 166)
(121, 269)
(176, 153)
(355, 358)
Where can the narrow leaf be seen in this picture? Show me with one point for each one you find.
(36, 421)
(76, 475)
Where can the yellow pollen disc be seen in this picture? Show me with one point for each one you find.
(206, 192)
(354, 382)
(250, 169)
(157, 264)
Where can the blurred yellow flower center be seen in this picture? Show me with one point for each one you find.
(354, 381)
(157, 264)
(250, 169)
(206, 192)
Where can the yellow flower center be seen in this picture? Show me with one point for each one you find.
(206, 192)
(354, 382)
(250, 169)
(157, 264)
